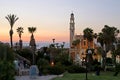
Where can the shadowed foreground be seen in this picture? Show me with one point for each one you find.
(91, 76)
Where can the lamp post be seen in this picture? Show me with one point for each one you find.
(88, 52)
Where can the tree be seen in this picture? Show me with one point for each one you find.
(11, 19)
(76, 42)
(107, 41)
(32, 41)
(101, 48)
(20, 31)
(88, 34)
(53, 40)
(115, 53)
(62, 46)
(95, 35)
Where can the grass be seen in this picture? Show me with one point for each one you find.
(91, 76)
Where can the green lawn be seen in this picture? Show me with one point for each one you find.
(91, 76)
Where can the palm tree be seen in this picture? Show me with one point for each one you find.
(106, 38)
(20, 31)
(112, 32)
(62, 45)
(57, 45)
(95, 35)
(32, 41)
(53, 45)
(11, 19)
(115, 53)
(101, 48)
(53, 41)
(76, 42)
(88, 34)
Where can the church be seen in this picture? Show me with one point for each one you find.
(79, 45)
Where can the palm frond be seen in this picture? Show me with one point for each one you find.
(32, 29)
(11, 19)
(20, 31)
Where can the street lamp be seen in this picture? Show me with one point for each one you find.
(88, 52)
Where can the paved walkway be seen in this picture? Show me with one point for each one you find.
(48, 77)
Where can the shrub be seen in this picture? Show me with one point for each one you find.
(56, 69)
(43, 65)
(109, 61)
(26, 53)
(7, 69)
(76, 69)
(110, 68)
(117, 68)
(63, 59)
(96, 65)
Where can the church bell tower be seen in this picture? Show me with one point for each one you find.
(72, 28)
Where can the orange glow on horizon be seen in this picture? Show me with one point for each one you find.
(41, 35)
(38, 38)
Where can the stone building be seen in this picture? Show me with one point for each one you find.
(78, 50)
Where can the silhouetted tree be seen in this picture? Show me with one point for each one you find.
(20, 31)
(32, 41)
(11, 19)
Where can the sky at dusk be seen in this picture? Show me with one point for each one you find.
(51, 17)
